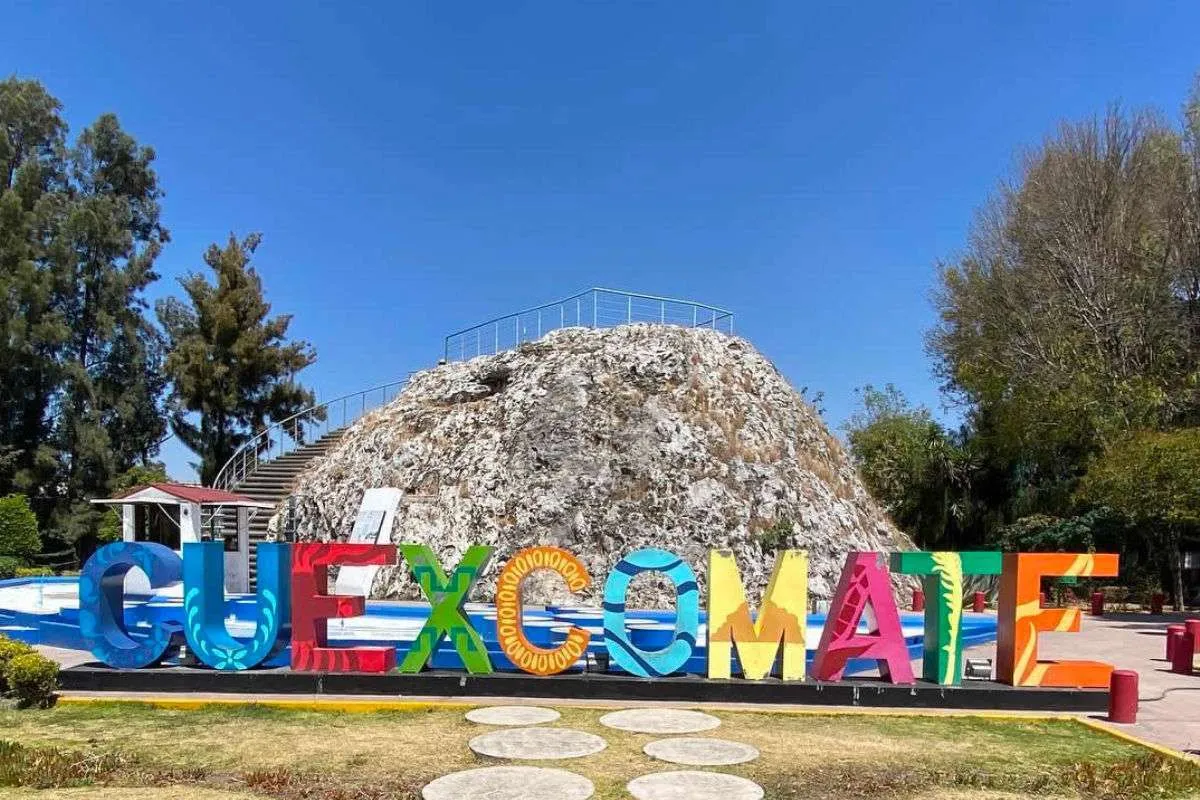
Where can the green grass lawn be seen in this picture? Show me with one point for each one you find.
(134, 752)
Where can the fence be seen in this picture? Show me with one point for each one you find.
(595, 308)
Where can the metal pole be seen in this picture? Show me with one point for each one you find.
(562, 316)
(694, 311)
(662, 312)
(594, 304)
(628, 310)
(578, 320)
(497, 350)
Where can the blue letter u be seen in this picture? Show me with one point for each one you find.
(204, 606)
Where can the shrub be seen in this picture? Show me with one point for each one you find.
(34, 572)
(18, 527)
(9, 566)
(10, 649)
(777, 536)
(32, 679)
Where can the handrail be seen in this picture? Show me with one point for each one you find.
(593, 308)
(287, 435)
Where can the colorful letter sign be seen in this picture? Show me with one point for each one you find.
(204, 606)
(510, 610)
(780, 622)
(446, 615)
(312, 606)
(292, 602)
(864, 590)
(1021, 618)
(102, 603)
(687, 614)
(942, 578)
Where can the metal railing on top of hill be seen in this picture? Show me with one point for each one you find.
(302, 428)
(594, 308)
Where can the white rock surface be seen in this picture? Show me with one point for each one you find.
(603, 442)
(512, 715)
(687, 785)
(700, 752)
(537, 744)
(509, 783)
(660, 720)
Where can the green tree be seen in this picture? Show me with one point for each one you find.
(1062, 320)
(1153, 479)
(18, 528)
(110, 525)
(231, 365)
(910, 463)
(110, 238)
(1073, 317)
(33, 179)
(79, 233)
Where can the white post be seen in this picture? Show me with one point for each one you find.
(189, 523)
(128, 531)
(237, 565)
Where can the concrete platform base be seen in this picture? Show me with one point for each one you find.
(866, 693)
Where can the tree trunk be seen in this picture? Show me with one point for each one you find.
(1174, 541)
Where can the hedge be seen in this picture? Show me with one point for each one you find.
(32, 679)
(10, 649)
(18, 527)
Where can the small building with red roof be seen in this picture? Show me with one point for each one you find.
(174, 514)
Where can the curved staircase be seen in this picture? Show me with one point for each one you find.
(272, 482)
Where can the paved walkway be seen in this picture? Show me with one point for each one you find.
(1170, 703)
(1169, 712)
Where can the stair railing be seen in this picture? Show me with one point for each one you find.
(302, 428)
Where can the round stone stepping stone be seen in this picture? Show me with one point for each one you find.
(537, 744)
(701, 752)
(688, 785)
(512, 715)
(510, 783)
(660, 720)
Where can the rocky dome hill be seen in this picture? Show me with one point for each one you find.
(603, 442)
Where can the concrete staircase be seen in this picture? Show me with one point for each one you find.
(272, 481)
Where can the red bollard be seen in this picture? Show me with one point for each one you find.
(1123, 696)
(1156, 603)
(918, 600)
(980, 603)
(1097, 604)
(1192, 626)
(1173, 634)
(1181, 658)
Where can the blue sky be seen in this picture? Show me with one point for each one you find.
(419, 167)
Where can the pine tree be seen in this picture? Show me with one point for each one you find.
(231, 366)
(32, 181)
(104, 259)
(80, 384)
